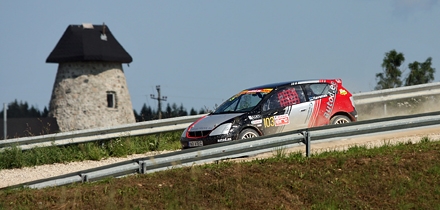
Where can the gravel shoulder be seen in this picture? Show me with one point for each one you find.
(9, 177)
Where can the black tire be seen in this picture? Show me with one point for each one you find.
(339, 119)
(248, 133)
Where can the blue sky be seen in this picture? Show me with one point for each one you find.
(203, 52)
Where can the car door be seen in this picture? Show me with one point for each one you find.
(286, 109)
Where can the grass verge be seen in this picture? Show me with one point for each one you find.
(120, 147)
(404, 176)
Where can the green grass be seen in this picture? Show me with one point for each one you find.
(119, 147)
(403, 176)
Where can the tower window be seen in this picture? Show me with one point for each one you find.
(111, 99)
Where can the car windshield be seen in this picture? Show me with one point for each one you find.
(244, 101)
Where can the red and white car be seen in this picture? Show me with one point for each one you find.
(273, 108)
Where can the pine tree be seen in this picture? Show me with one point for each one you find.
(390, 78)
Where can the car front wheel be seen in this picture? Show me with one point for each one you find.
(248, 133)
(339, 119)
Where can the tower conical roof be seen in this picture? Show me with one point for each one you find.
(88, 42)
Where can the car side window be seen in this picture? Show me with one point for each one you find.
(249, 101)
(316, 91)
(284, 97)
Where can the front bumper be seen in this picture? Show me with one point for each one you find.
(354, 114)
(198, 142)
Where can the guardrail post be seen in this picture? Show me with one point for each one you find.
(306, 135)
(84, 178)
(385, 109)
(142, 167)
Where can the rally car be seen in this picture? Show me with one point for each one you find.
(273, 108)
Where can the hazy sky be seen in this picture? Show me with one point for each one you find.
(201, 52)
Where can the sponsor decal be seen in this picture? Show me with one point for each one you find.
(281, 120)
(331, 100)
(254, 117)
(223, 140)
(315, 112)
(342, 92)
(317, 97)
(234, 97)
(266, 90)
(277, 120)
(256, 121)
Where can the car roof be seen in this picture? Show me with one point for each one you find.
(275, 85)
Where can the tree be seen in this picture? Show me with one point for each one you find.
(168, 111)
(192, 111)
(202, 111)
(22, 110)
(45, 112)
(171, 110)
(390, 78)
(137, 116)
(145, 114)
(175, 111)
(182, 111)
(421, 73)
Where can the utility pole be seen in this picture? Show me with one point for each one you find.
(5, 121)
(159, 101)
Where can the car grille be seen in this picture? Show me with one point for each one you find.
(198, 133)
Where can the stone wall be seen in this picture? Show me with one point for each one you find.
(79, 98)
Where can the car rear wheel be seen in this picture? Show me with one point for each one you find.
(339, 119)
(248, 133)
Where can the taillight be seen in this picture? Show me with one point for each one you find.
(352, 101)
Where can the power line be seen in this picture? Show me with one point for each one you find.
(159, 101)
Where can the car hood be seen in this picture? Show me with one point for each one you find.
(209, 122)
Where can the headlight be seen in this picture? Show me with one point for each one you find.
(222, 129)
(184, 132)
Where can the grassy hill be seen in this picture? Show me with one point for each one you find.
(404, 176)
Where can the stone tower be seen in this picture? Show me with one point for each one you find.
(90, 89)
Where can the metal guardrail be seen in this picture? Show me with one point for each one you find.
(397, 93)
(180, 123)
(239, 148)
(89, 135)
